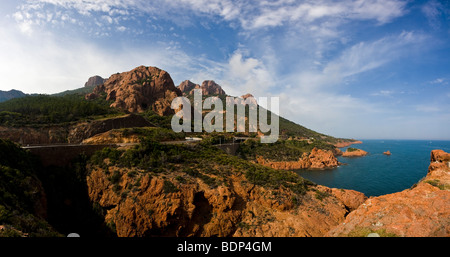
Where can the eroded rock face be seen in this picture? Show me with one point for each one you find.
(317, 159)
(422, 211)
(140, 89)
(143, 205)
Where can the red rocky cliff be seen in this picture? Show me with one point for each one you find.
(139, 89)
(422, 211)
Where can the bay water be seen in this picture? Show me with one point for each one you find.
(378, 174)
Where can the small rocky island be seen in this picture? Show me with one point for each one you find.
(354, 152)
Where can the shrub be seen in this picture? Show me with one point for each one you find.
(169, 187)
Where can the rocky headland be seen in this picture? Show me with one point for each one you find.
(178, 205)
(341, 143)
(421, 211)
(157, 189)
(316, 159)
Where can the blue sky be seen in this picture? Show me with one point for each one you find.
(351, 68)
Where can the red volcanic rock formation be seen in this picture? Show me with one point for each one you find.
(208, 87)
(187, 86)
(140, 89)
(354, 153)
(140, 205)
(422, 211)
(317, 159)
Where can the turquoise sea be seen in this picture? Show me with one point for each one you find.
(378, 174)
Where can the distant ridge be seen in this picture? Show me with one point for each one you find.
(7, 95)
(89, 86)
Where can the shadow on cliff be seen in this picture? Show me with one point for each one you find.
(69, 209)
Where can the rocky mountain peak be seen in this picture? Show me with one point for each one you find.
(208, 87)
(139, 89)
(94, 81)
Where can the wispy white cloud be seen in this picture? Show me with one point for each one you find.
(366, 56)
(433, 10)
(250, 15)
(439, 81)
(384, 93)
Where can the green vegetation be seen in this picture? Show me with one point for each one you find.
(45, 109)
(282, 150)
(169, 187)
(437, 183)
(321, 195)
(20, 194)
(154, 133)
(199, 161)
(79, 91)
(157, 120)
(351, 149)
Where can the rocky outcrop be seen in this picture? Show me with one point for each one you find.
(387, 152)
(112, 137)
(84, 130)
(94, 81)
(139, 89)
(73, 134)
(341, 144)
(421, 211)
(32, 135)
(317, 159)
(208, 87)
(152, 205)
(353, 152)
(187, 86)
(252, 98)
